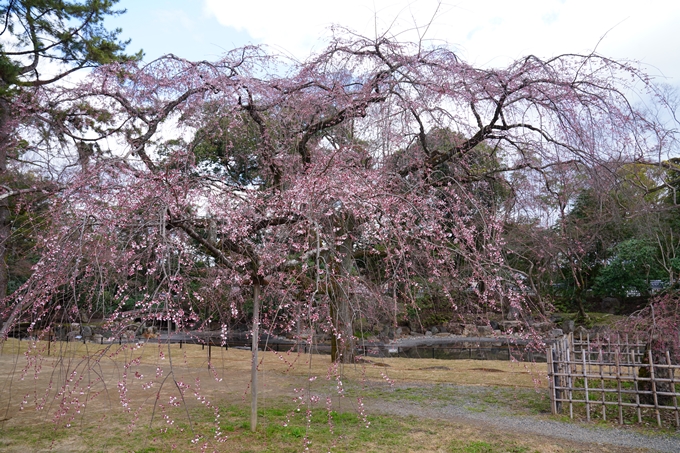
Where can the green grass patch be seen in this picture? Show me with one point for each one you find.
(476, 446)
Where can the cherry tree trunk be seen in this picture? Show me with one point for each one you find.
(342, 342)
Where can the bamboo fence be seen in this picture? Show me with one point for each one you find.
(614, 371)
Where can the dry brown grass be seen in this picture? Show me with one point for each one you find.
(103, 367)
(237, 361)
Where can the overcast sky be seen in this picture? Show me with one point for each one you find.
(484, 32)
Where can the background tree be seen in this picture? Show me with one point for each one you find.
(42, 42)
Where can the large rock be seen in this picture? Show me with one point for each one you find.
(556, 333)
(60, 333)
(86, 332)
(402, 330)
(485, 331)
(388, 332)
(470, 330)
(580, 330)
(455, 328)
(568, 325)
(543, 326)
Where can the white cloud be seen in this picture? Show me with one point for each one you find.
(485, 32)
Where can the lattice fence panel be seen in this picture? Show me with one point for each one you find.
(622, 372)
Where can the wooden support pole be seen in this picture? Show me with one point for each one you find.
(253, 370)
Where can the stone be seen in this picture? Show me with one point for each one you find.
(86, 331)
(403, 330)
(455, 328)
(470, 330)
(580, 330)
(434, 330)
(97, 338)
(484, 331)
(106, 333)
(568, 325)
(428, 333)
(387, 332)
(543, 326)
(510, 325)
(60, 333)
(443, 334)
(494, 325)
(556, 333)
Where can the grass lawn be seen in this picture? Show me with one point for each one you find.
(151, 398)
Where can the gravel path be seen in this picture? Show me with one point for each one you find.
(468, 406)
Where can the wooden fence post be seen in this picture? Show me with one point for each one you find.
(671, 370)
(585, 384)
(653, 380)
(551, 380)
(618, 385)
(636, 371)
(603, 396)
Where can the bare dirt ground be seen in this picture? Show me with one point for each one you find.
(86, 384)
